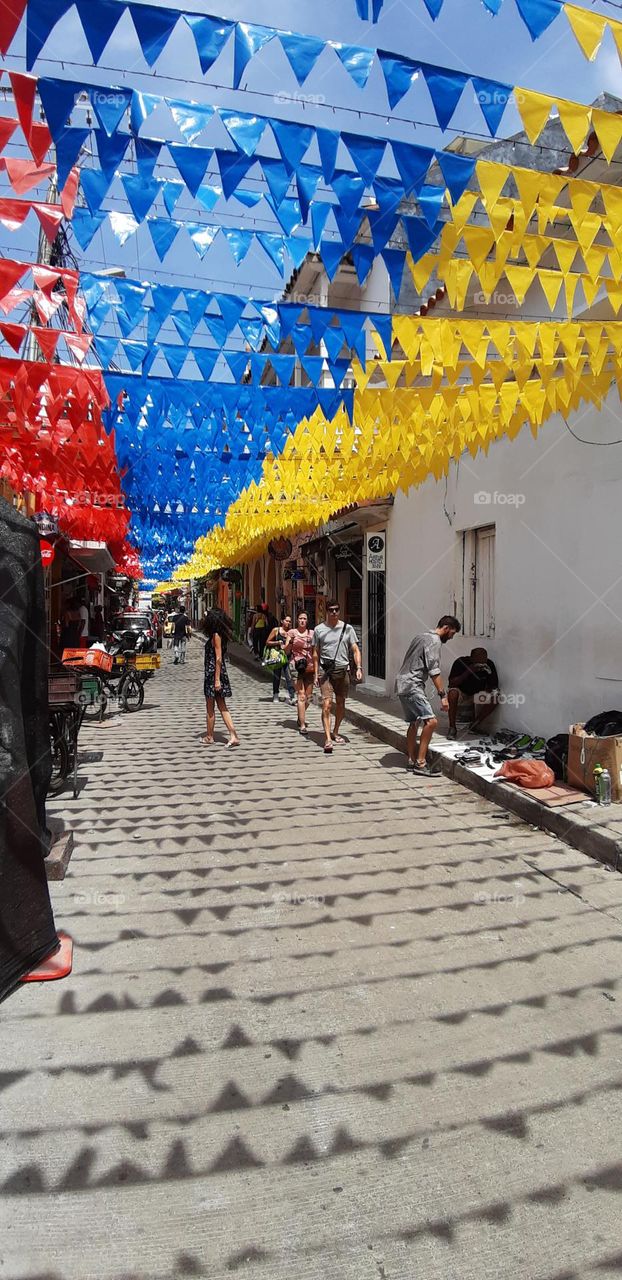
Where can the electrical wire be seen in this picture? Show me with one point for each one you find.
(597, 444)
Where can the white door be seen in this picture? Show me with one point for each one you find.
(485, 581)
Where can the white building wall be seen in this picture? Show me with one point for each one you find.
(558, 616)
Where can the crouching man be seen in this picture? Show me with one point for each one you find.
(473, 681)
(422, 663)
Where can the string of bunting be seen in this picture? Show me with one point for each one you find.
(398, 441)
(154, 26)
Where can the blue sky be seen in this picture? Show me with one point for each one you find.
(465, 37)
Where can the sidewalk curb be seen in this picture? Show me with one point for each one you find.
(575, 829)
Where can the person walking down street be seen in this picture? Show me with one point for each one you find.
(334, 647)
(181, 631)
(264, 622)
(278, 640)
(422, 663)
(260, 632)
(300, 646)
(218, 630)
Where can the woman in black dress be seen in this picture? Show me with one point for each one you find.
(217, 630)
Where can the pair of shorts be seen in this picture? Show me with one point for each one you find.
(335, 685)
(416, 707)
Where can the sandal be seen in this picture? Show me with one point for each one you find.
(336, 737)
(328, 748)
(233, 742)
(207, 742)
(302, 728)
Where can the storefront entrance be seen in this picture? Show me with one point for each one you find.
(376, 606)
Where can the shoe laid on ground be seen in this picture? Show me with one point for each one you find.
(452, 733)
(469, 758)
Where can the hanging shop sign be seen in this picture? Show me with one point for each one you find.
(376, 552)
(280, 548)
(343, 553)
(47, 553)
(46, 524)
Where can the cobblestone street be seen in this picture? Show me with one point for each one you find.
(327, 1021)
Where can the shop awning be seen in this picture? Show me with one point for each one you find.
(93, 556)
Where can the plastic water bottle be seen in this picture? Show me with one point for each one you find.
(604, 791)
(598, 769)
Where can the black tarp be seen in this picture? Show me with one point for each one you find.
(27, 931)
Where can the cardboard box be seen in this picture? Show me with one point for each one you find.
(584, 753)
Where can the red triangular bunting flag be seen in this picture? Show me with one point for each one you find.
(10, 18)
(24, 174)
(14, 298)
(69, 192)
(47, 306)
(13, 213)
(40, 141)
(10, 273)
(45, 278)
(79, 344)
(24, 90)
(7, 129)
(50, 217)
(14, 334)
(47, 339)
(77, 312)
(71, 280)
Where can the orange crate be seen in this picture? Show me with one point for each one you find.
(75, 657)
(98, 658)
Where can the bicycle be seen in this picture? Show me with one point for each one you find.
(126, 688)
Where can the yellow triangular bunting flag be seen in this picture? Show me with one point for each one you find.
(588, 28)
(492, 179)
(550, 283)
(565, 252)
(608, 129)
(534, 110)
(575, 121)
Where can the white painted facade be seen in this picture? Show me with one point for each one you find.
(555, 617)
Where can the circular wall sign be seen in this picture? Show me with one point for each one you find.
(280, 548)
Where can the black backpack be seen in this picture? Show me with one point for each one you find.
(556, 755)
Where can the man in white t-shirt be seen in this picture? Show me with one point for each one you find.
(334, 644)
(85, 620)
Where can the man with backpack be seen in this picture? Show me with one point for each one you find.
(335, 649)
(181, 631)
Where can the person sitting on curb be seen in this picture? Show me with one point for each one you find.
(334, 644)
(422, 662)
(473, 680)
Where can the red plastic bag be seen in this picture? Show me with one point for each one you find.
(527, 773)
